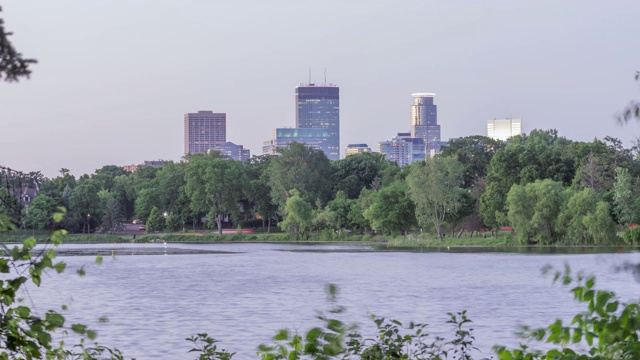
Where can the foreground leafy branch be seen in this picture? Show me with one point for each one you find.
(608, 329)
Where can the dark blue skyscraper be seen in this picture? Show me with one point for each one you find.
(318, 107)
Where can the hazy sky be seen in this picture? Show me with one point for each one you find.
(115, 78)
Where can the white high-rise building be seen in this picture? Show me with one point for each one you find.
(502, 129)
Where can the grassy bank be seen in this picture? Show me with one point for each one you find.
(502, 240)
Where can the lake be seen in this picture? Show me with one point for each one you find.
(242, 297)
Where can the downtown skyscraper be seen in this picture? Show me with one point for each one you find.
(318, 107)
(424, 120)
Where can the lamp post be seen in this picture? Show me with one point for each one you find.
(88, 223)
(165, 219)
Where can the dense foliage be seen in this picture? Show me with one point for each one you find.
(548, 189)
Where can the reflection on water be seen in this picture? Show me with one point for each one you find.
(154, 302)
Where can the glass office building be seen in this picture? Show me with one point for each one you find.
(314, 138)
(318, 107)
(232, 151)
(404, 149)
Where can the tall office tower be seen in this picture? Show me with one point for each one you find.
(204, 130)
(424, 120)
(502, 129)
(318, 107)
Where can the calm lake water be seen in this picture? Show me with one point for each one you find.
(153, 302)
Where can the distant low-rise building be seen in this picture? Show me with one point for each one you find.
(356, 149)
(233, 151)
(316, 138)
(404, 149)
(24, 194)
(134, 167)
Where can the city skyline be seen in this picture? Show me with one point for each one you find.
(107, 90)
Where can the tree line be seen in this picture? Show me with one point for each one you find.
(547, 188)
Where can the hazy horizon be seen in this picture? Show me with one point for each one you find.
(114, 79)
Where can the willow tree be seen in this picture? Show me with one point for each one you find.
(434, 187)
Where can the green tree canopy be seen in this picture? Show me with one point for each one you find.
(526, 158)
(40, 212)
(475, 153)
(391, 210)
(215, 186)
(297, 216)
(534, 210)
(302, 168)
(434, 188)
(85, 204)
(259, 190)
(358, 171)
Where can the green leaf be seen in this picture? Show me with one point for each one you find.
(30, 243)
(81, 271)
(59, 267)
(99, 259)
(23, 311)
(57, 217)
(4, 266)
(79, 328)
(589, 284)
(55, 319)
(282, 335)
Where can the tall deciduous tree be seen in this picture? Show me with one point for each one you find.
(475, 153)
(156, 220)
(434, 188)
(356, 172)
(112, 219)
(624, 199)
(302, 168)
(40, 212)
(390, 208)
(85, 204)
(215, 185)
(259, 191)
(525, 159)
